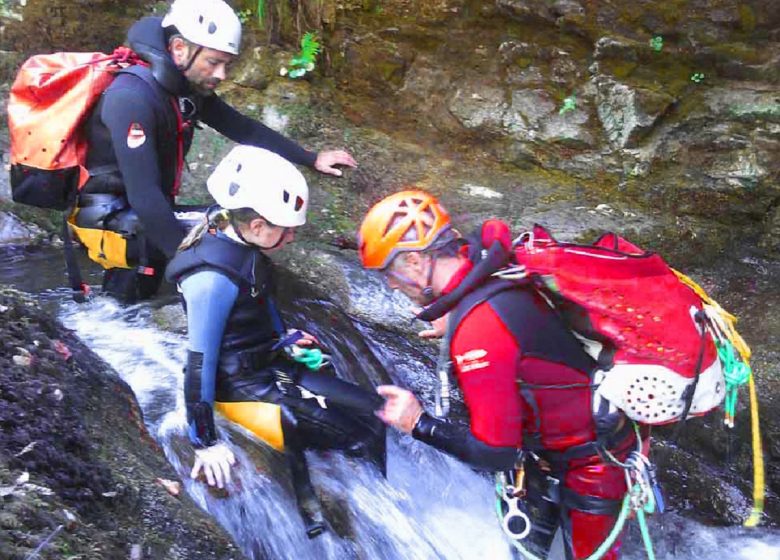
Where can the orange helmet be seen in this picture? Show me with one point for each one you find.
(405, 221)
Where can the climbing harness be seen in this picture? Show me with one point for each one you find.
(643, 497)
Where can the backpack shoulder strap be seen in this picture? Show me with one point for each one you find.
(144, 73)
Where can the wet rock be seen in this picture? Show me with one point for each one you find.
(739, 168)
(77, 25)
(14, 231)
(529, 109)
(628, 114)
(616, 47)
(533, 116)
(756, 105)
(770, 241)
(260, 68)
(697, 487)
(10, 61)
(425, 85)
(373, 64)
(83, 453)
(479, 107)
(524, 10)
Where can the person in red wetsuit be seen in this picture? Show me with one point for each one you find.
(526, 380)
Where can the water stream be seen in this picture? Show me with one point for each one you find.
(430, 506)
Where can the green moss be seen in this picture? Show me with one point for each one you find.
(621, 69)
(741, 51)
(747, 18)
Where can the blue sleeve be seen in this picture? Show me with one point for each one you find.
(209, 296)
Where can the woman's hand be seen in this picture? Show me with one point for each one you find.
(306, 338)
(402, 410)
(215, 462)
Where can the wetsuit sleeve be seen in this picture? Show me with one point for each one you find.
(138, 163)
(240, 128)
(485, 358)
(458, 441)
(209, 297)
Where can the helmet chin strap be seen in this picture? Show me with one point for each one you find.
(242, 238)
(191, 61)
(427, 291)
(278, 241)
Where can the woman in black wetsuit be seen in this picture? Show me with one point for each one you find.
(242, 361)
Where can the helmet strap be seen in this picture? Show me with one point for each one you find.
(427, 291)
(241, 237)
(278, 241)
(191, 61)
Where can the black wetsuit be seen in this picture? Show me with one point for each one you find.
(138, 136)
(237, 364)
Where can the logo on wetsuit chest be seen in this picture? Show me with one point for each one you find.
(135, 135)
(471, 360)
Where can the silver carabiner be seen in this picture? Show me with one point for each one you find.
(515, 513)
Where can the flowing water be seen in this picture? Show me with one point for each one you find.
(430, 506)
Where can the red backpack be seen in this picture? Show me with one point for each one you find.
(50, 99)
(652, 334)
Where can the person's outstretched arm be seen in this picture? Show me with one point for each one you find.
(485, 357)
(209, 298)
(244, 130)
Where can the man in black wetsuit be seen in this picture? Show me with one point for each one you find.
(142, 128)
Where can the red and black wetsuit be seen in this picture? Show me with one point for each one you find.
(526, 383)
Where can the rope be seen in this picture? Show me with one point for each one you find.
(639, 498)
(724, 322)
(758, 461)
(736, 373)
(617, 528)
(312, 358)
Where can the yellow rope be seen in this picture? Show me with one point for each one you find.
(726, 322)
(727, 319)
(758, 461)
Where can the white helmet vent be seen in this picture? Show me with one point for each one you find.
(234, 188)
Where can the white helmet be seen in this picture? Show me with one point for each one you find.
(250, 177)
(208, 23)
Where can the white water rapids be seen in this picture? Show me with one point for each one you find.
(430, 506)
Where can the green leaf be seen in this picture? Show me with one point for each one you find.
(310, 47)
(260, 12)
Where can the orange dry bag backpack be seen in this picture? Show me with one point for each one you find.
(50, 100)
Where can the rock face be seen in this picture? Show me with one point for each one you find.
(14, 231)
(672, 105)
(76, 461)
